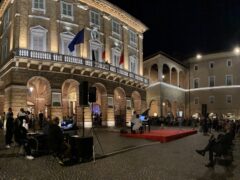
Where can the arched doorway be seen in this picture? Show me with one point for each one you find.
(153, 108)
(70, 100)
(136, 102)
(39, 96)
(99, 108)
(120, 107)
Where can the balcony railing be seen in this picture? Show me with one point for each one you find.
(79, 61)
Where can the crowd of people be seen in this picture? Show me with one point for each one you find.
(16, 133)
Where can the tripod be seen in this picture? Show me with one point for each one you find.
(94, 133)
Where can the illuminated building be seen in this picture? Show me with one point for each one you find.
(211, 80)
(39, 73)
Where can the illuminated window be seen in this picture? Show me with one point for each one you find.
(116, 29)
(96, 51)
(116, 54)
(229, 99)
(94, 18)
(66, 38)
(196, 100)
(66, 10)
(38, 5)
(38, 38)
(211, 81)
(196, 83)
(211, 99)
(229, 80)
(132, 38)
(133, 64)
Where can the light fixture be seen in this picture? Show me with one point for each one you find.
(199, 56)
(31, 89)
(236, 50)
(163, 103)
(155, 114)
(163, 76)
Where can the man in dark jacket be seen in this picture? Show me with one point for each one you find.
(20, 136)
(56, 140)
(9, 128)
(220, 146)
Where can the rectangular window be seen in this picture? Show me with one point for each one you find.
(116, 28)
(5, 49)
(38, 5)
(94, 18)
(211, 65)
(195, 67)
(196, 83)
(66, 10)
(229, 63)
(132, 38)
(110, 101)
(211, 81)
(229, 99)
(6, 19)
(211, 99)
(229, 80)
(196, 100)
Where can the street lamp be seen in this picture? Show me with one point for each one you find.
(199, 56)
(236, 50)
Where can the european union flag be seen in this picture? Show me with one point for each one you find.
(78, 39)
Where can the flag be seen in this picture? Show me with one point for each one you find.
(121, 61)
(78, 39)
(103, 55)
(93, 55)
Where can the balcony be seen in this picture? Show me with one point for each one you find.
(54, 57)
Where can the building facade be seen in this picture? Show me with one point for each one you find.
(39, 73)
(207, 83)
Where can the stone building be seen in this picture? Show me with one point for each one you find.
(184, 88)
(39, 73)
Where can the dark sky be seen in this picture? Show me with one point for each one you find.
(182, 28)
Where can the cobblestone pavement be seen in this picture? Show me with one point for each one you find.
(143, 160)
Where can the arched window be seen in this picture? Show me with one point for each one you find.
(133, 64)
(38, 40)
(66, 38)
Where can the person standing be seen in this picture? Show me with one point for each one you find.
(9, 128)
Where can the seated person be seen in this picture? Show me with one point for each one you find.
(219, 146)
(56, 140)
(136, 124)
(20, 136)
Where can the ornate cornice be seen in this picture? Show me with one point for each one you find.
(116, 12)
(105, 7)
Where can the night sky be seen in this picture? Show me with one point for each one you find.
(182, 28)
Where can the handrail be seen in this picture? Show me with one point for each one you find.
(80, 61)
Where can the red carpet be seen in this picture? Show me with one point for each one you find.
(163, 135)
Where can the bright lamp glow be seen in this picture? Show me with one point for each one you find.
(199, 56)
(236, 50)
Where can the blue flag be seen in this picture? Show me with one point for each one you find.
(78, 39)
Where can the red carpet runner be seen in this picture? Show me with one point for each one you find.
(163, 135)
